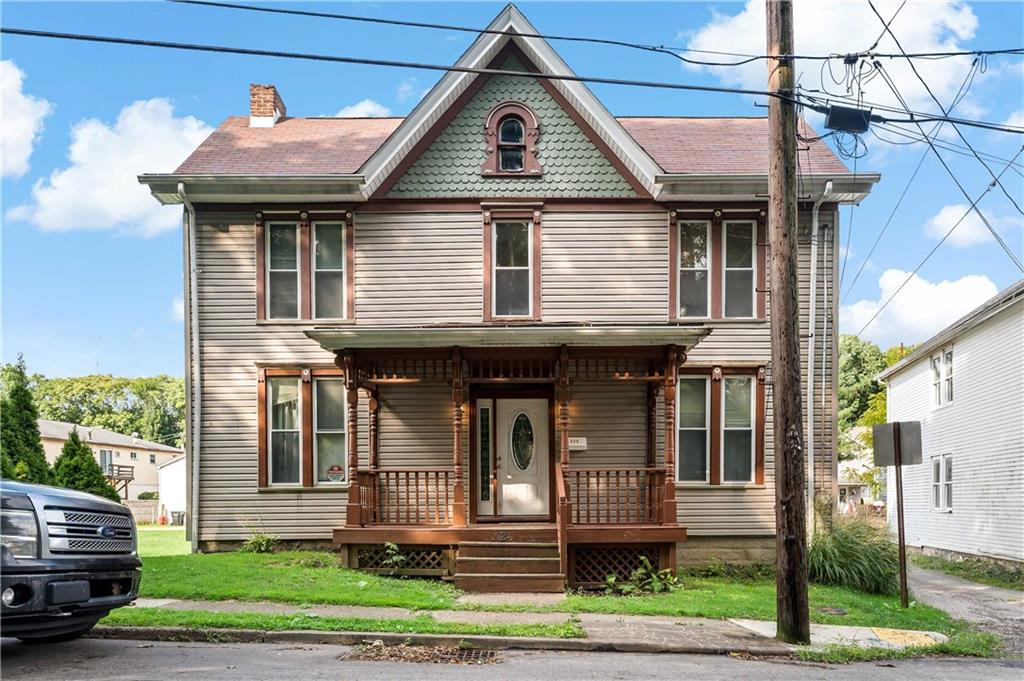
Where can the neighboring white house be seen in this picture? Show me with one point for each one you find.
(129, 462)
(966, 387)
(171, 477)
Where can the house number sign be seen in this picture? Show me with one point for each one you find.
(577, 444)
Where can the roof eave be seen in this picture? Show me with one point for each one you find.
(254, 188)
(846, 187)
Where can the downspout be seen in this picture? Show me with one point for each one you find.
(811, 348)
(193, 395)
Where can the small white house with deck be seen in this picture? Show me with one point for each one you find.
(966, 387)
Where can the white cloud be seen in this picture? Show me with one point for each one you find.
(1016, 119)
(367, 108)
(178, 309)
(919, 311)
(407, 89)
(22, 120)
(99, 189)
(972, 230)
(844, 27)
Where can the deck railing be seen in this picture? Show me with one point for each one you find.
(116, 471)
(602, 496)
(406, 496)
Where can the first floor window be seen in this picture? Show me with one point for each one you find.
(693, 429)
(329, 424)
(694, 261)
(739, 268)
(737, 429)
(282, 271)
(512, 266)
(329, 270)
(942, 482)
(106, 460)
(283, 410)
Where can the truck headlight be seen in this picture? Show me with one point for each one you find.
(19, 532)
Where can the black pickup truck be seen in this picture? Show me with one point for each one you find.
(66, 560)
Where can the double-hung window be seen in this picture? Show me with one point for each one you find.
(738, 275)
(694, 264)
(947, 360)
(284, 415)
(694, 423)
(282, 283)
(328, 270)
(737, 429)
(512, 270)
(942, 482)
(329, 427)
(941, 366)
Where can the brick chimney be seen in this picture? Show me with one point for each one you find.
(265, 106)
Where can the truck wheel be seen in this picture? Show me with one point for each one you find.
(58, 638)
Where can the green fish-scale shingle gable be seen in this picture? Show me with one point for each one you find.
(573, 166)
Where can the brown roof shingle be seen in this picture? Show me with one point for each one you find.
(339, 146)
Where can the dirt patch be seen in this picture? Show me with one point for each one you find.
(378, 652)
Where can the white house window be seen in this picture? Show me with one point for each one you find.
(511, 145)
(942, 377)
(134, 455)
(694, 418)
(283, 272)
(284, 445)
(739, 268)
(737, 429)
(329, 426)
(513, 261)
(942, 482)
(329, 270)
(152, 458)
(947, 360)
(694, 259)
(106, 460)
(936, 365)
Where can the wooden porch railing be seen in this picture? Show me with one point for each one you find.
(406, 496)
(563, 517)
(602, 496)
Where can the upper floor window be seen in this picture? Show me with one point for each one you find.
(134, 455)
(511, 132)
(739, 268)
(513, 261)
(152, 458)
(282, 271)
(694, 264)
(511, 144)
(941, 366)
(328, 270)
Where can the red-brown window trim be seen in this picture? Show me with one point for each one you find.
(715, 373)
(491, 216)
(531, 133)
(304, 221)
(307, 375)
(717, 264)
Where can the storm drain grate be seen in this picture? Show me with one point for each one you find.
(378, 652)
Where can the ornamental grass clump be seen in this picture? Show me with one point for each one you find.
(854, 553)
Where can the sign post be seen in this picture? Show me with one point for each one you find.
(897, 444)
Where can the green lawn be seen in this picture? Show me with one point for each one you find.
(976, 570)
(160, 540)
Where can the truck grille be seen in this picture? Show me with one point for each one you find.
(76, 531)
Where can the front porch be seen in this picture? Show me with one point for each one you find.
(521, 500)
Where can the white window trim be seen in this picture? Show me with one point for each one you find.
(752, 269)
(316, 431)
(753, 435)
(940, 386)
(528, 268)
(942, 483)
(680, 269)
(948, 386)
(271, 430)
(707, 434)
(270, 268)
(314, 269)
(484, 506)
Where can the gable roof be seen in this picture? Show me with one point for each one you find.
(93, 435)
(1013, 294)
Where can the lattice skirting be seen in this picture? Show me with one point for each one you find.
(419, 560)
(589, 566)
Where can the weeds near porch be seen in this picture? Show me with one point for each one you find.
(394, 560)
(645, 579)
(259, 542)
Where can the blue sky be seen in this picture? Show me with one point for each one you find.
(92, 270)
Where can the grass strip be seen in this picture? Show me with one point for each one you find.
(975, 570)
(963, 642)
(421, 624)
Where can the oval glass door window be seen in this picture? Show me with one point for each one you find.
(522, 441)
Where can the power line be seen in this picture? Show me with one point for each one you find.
(972, 207)
(941, 144)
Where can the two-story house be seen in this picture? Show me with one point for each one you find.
(966, 387)
(524, 339)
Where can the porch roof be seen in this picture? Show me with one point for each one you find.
(506, 336)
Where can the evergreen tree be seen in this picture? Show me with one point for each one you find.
(20, 445)
(76, 468)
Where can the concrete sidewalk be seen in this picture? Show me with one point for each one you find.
(633, 633)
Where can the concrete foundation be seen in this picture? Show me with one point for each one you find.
(701, 550)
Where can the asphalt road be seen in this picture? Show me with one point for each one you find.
(111, 660)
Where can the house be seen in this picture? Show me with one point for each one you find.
(129, 462)
(966, 387)
(171, 479)
(523, 339)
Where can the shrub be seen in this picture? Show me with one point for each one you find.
(148, 496)
(645, 579)
(259, 542)
(855, 553)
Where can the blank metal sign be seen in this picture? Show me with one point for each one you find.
(910, 443)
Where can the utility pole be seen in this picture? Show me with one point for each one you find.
(787, 401)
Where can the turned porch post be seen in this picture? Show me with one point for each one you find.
(458, 400)
(671, 376)
(373, 430)
(563, 408)
(652, 421)
(353, 515)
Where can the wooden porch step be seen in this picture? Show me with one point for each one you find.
(506, 583)
(506, 566)
(487, 549)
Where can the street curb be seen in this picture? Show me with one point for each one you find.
(215, 635)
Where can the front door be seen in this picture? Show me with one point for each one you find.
(519, 437)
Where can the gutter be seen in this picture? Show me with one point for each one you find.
(812, 338)
(193, 384)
